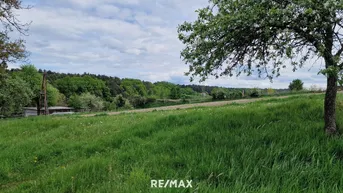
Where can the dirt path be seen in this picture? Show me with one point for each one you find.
(187, 106)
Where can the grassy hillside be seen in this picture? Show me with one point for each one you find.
(272, 146)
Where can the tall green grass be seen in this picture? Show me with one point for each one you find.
(276, 145)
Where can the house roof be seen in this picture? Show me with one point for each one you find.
(50, 108)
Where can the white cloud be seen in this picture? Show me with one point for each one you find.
(124, 38)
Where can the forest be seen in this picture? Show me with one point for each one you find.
(89, 92)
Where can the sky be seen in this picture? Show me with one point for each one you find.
(128, 39)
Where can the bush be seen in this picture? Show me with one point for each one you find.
(150, 100)
(186, 96)
(254, 93)
(235, 94)
(270, 91)
(52, 95)
(141, 102)
(75, 102)
(120, 101)
(86, 101)
(138, 101)
(127, 105)
(218, 94)
(92, 102)
(61, 100)
(110, 106)
(175, 92)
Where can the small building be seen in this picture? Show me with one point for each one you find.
(32, 111)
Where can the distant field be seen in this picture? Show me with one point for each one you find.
(277, 145)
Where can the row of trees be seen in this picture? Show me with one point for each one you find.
(21, 87)
(225, 93)
(110, 90)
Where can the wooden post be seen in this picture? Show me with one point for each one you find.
(43, 95)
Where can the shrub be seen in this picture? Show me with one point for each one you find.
(52, 95)
(75, 102)
(86, 101)
(141, 102)
(270, 91)
(110, 106)
(91, 102)
(218, 94)
(185, 96)
(254, 93)
(175, 92)
(120, 101)
(138, 101)
(127, 105)
(150, 100)
(235, 94)
(61, 100)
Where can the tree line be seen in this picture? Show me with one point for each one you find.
(89, 92)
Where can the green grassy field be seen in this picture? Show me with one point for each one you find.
(276, 145)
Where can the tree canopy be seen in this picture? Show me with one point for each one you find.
(15, 94)
(296, 84)
(11, 50)
(133, 87)
(78, 85)
(242, 36)
(233, 37)
(33, 78)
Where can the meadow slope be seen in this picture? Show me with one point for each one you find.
(277, 145)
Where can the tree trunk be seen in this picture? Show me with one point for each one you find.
(330, 105)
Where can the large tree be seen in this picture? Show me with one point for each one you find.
(11, 50)
(15, 94)
(296, 84)
(14, 91)
(33, 78)
(246, 36)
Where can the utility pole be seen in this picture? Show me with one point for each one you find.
(43, 96)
